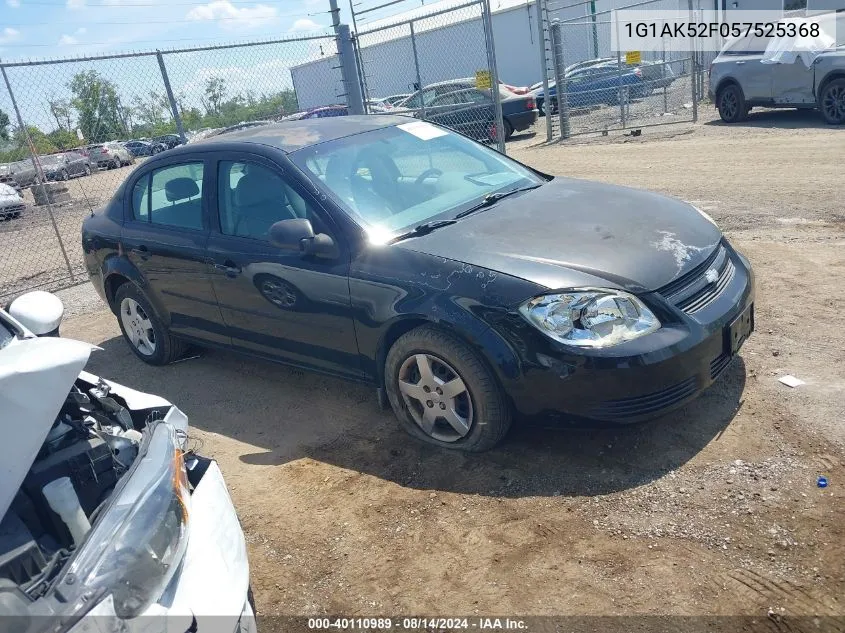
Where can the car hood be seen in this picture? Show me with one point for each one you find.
(36, 375)
(577, 233)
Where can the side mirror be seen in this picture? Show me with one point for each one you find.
(39, 312)
(297, 234)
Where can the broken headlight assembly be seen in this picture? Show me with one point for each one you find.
(594, 318)
(136, 546)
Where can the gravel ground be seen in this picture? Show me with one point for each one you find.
(713, 509)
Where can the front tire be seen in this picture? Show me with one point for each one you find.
(832, 102)
(731, 104)
(443, 393)
(143, 330)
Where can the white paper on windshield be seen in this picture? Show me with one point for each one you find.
(422, 130)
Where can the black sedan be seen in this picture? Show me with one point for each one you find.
(144, 148)
(467, 288)
(471, 112)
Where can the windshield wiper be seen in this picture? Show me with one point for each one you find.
(421, 229)
(492, 198)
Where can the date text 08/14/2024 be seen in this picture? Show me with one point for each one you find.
(417, 623)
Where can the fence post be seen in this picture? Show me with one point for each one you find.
(494, 74)
(417, 67)
(36, 165)
(349, 70)
(174, 108)
(694, 75)
(619, 66)
(541, 47)
(560, 80)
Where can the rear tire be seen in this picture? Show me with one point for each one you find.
(480, 405)
(132, 307)
(508, 129)
(731, 104)
(832, 102)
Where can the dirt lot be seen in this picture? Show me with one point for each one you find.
(711, 510)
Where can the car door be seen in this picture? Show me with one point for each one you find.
(278, 303)
(164, 236)
(792, 82)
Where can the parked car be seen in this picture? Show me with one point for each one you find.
(144, 148)
(11, 203)
(168, 140)
(110, 155)
(464, 286)
(422, 98)
(326, 112)
(24, 172)
(65, 166)
(595, 84)
(393, 100)
(788, 73)
(106, 512)
(7, 177)
(471, 112)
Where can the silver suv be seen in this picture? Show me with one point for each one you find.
(742, 78)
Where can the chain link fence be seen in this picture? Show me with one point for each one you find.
(593, 89)
(77, 127)
(443, 62)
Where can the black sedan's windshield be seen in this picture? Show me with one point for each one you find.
(398, 177)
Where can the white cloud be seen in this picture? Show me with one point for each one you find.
(14, 3)
(72, 40)
(9, 34)
(75, 4)
(231, 17)
(305, 24)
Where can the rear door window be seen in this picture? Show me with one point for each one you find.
(171, 196)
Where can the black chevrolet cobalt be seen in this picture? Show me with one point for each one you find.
(469, 289)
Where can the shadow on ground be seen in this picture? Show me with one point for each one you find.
(279, 414)
(785, 119)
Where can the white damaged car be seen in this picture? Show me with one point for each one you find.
(104, 511)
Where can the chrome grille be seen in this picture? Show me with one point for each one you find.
(693, 292)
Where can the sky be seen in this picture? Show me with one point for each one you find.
(62, 28)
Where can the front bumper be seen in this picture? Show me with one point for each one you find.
(637, 380)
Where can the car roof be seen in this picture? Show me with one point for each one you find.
(289, 136)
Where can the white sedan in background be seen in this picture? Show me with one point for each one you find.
(11, 203)
(104, 510)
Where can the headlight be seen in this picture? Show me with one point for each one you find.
(132, 552)
(590, 318)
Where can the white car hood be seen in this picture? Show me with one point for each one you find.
(36, 375)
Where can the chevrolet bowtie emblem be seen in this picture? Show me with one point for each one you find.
(712, 276)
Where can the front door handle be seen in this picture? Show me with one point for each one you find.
(142, 251)
(229, 268)
(740, 63)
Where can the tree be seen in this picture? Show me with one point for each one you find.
(4, 126)
(100, 114)
(215, 92)
(61, 111)
(63, 139)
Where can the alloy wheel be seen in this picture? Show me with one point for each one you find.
(278, 293)
(436, 397)
(137, 326)
(833, 103)
(729, 104)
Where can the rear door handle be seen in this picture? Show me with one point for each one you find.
(740, 63)
(142, 251)
(229, 268)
